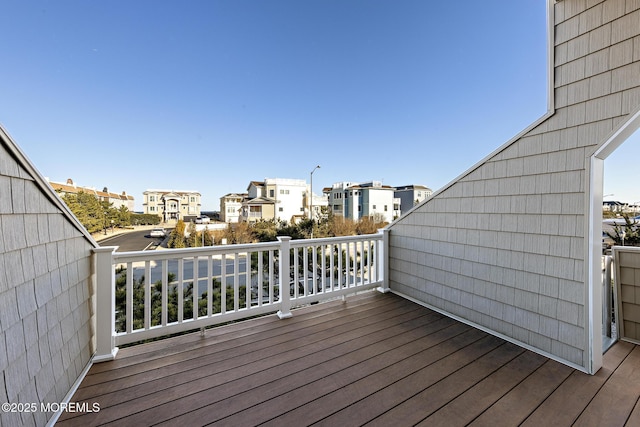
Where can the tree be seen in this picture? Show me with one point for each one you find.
(265, 230)
(343, 226)
(193, 240)
(208, 237)
(92, 213)
(242, 233)
(301, 230)
(627, 234)
(144, 219)
(370, 225)
(176, 239)
(123, 217)
(323, 224)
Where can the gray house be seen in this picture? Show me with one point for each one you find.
(46, 286)
(513, 245)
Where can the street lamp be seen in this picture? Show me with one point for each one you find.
(311, 195)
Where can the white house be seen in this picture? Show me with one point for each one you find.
(356, 201)
(231, 207)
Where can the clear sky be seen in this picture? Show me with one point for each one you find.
(209, 95)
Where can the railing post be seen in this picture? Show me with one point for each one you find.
(607, 296)
(383, 261)
(105, 309)
(284, 269)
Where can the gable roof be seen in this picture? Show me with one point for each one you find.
(42, 184)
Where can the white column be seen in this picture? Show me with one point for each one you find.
(383, 261)
(285, 300)
(105, 304)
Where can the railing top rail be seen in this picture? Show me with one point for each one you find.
(326, 240)
(134, 256)
(619, 248)
(191, 252)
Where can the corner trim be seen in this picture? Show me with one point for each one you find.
(67, 398)
(494, 333)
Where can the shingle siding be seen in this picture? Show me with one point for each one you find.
(520, 215)
(44, 296)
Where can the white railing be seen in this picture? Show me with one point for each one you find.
(149, 294)
(609, 319)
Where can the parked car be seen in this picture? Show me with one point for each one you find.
(158, 232)
(203, 220)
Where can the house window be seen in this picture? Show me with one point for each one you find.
(152, 198)
(272, 193)
(385, 208)
(284, 191)
(374, 207)
(280, 209)
(255, 211)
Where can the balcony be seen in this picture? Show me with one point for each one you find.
(363, 356)
(376, 358)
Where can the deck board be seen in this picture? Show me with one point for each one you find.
(375, 360)
(615, 400)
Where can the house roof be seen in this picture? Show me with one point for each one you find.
(42, 184)
(179, 192)
(235, 195)
(260, 201)
(70, 187)
(382, 187)
(412, 187)
(255, 184)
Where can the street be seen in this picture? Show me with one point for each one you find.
(132, 240)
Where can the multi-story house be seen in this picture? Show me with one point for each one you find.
(370, 199)
(318, 202)
(410, 196)
(275, 199)
(231, 206)
(335, 196)
(172, 205)
(117, 200)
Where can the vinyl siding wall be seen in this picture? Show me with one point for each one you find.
(504, 246)
(45, 272)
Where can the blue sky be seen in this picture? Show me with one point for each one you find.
(210, 95)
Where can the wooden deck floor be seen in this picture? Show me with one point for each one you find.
(377, 360)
